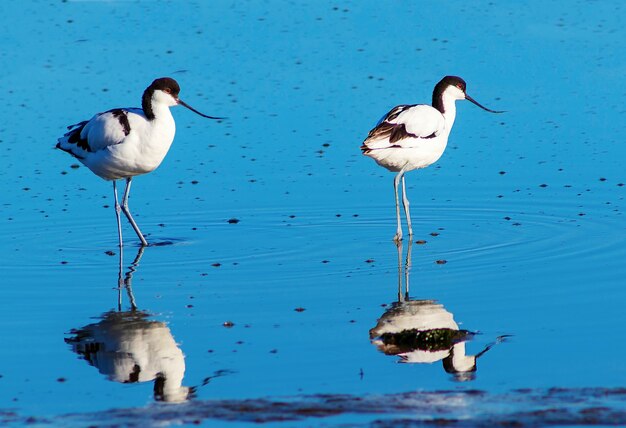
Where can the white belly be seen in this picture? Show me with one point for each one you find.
(134, 156)
(420, 155)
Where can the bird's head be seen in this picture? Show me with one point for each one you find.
(165, 90)
(456, 88)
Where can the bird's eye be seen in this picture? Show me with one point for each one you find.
(167, 90)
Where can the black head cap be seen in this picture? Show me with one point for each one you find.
(165, 84)
(452, 81)
(442, 86)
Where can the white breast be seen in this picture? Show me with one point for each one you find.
(140, 152)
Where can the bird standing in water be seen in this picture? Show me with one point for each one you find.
(415, 136)
(125, 142)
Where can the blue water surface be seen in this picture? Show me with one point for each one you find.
(522, 217)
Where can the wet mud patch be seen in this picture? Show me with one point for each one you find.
(165, 242)
(471, 408)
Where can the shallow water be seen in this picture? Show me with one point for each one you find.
(522, 217)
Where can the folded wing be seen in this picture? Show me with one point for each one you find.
(102, 130)
(405, 126)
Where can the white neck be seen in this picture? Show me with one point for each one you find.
(161, 111)
(449, 114)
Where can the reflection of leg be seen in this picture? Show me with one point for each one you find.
(407, 268)
(120, 280)
(128, 215)
(396, 181)
(405, 203)
(129, 277)
(399, 247)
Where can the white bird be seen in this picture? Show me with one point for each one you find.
(125, 142)
(415, 136)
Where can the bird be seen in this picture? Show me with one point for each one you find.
(414, 136)
(125, 142)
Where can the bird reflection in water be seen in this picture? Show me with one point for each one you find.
(129, 347)
(423, 331)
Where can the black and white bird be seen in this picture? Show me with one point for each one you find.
(415, 136)
(125, 142)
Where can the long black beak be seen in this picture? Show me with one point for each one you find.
(468, 98)
(184, 104)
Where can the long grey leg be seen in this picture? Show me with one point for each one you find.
(130, 217)
(396, 181)
(405, 203)
(117, 215)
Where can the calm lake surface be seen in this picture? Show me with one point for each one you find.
(276, 276)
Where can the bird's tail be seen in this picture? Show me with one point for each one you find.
(72, 142)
